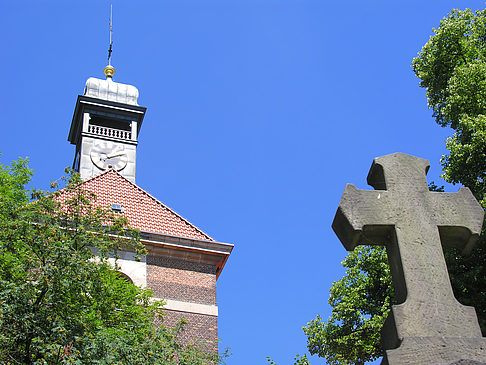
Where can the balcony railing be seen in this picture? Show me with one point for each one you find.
(109, 132)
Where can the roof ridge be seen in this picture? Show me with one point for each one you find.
(152, 197)
(95, 176)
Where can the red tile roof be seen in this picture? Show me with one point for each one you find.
(142, 210)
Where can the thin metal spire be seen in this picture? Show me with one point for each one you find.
(110, 49)
(109, 70)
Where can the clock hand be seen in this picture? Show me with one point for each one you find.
(116, 154)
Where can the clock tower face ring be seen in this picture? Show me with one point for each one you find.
(108, 155)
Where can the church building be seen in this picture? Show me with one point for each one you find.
(184, 262)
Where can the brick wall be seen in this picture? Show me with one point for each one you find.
(200, 328)
(187, 281)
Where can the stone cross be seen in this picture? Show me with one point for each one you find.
(413, 222)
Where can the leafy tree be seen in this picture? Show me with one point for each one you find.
(360, 303)
(61, 304)
(298, 360)
(452, 68)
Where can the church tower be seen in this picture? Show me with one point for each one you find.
(105, 127)
(184, 262)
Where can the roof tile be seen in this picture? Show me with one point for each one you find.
(142, 210)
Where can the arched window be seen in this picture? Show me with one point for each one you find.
(124, 276)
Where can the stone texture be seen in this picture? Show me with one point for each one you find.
(428, 325)
(438, 350)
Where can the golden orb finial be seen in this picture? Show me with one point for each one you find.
(109, 71)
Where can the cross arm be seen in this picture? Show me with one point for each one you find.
(459, 218)
(363, 217)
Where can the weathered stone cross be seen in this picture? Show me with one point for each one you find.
(413, 223)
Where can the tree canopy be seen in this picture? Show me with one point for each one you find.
(62, 304)
(360, 303)
(452, 68)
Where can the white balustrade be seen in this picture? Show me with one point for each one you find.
(109, 132)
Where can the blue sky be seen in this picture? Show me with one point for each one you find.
(259, 112)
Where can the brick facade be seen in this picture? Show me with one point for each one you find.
(200, 328)
(187, 281)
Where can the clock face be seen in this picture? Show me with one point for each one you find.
(108, 155)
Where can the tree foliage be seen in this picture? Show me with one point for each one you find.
(298, 360)
(360, 303)
(452, 68)
(61, 304)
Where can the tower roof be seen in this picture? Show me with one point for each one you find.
(142, 210)
(112, 91)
